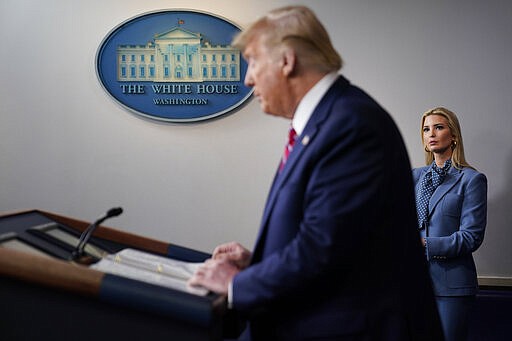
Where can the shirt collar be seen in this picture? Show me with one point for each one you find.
(309, 102)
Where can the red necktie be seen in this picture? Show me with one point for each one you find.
(292, 135)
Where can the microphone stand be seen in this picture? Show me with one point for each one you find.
(78, 252)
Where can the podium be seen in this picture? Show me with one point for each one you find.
(44, 295)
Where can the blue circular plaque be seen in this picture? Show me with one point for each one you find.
(174, 65)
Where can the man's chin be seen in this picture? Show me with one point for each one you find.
(271, 112)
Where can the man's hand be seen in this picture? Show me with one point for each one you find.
(234, 253)
(215, 275)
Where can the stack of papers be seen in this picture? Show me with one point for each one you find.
(150, 268)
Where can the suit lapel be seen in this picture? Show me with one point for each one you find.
(300, 146)
(452, 178)
(279, 180)
(307, 137)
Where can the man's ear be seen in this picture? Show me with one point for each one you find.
(289, 60)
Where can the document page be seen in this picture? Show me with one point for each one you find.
(150, 268)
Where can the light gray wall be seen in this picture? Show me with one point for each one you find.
(66, 147)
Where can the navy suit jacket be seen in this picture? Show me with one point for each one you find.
(336, 254)
(457, 220)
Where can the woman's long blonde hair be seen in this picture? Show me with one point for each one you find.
(458, 157)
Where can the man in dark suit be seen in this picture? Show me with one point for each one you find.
(337, 257)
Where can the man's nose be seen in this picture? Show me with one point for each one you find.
(248, 79)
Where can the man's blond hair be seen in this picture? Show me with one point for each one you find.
(296, 27)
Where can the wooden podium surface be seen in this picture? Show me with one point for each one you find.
(44, 295)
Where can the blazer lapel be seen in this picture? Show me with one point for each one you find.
(452, 178)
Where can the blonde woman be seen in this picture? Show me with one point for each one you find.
(451, 202)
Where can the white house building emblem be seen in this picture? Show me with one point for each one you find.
(175, 66)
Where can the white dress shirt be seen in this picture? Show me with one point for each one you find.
(309, 102)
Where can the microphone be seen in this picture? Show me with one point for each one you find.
(87, 234)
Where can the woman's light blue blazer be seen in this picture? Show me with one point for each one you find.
(457, 221)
